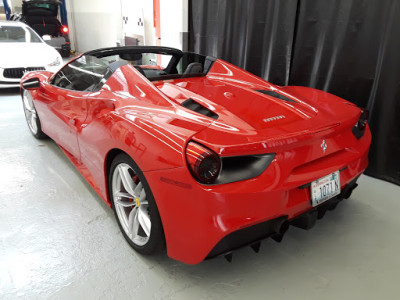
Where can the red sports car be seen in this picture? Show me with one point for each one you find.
(194, 152)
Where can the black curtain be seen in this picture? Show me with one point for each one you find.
(350, 48)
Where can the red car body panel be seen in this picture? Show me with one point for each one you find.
(146, 120)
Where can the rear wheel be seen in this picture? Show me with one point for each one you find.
(134, 205)
(31, 116)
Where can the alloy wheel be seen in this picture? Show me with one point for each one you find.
(131, 204)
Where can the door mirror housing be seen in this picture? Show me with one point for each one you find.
(31, 84)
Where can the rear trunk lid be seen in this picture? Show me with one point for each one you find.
(310, 131)
(40, 8)
(246, 116)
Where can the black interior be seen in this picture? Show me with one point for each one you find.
(89, 71)
(181, 65)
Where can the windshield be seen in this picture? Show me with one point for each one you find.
(149, 64)
(16, 34)
(47, 6)
(156, 66)
(156, 63)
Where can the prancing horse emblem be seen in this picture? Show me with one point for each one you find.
(324, 145)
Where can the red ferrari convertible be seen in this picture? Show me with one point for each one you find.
(194, 152)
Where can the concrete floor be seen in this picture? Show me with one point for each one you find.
(60, 241)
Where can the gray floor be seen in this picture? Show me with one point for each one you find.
(60, 241)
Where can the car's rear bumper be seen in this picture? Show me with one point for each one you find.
(60, 43)
(276, 228)
(56, 42)
(197, 218)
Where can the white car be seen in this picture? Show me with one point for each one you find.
(21, 51)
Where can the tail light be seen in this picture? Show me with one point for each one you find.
(204, 164)
(64, 29)
(208, 168)
(359, 128)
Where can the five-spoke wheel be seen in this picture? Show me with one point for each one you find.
(134, 206)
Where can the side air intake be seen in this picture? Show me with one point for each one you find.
(197, 107)
(275, 95)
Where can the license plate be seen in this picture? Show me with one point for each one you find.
(325, 188)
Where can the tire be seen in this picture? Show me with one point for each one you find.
(65, 53)
(31, 116)
(134, 206)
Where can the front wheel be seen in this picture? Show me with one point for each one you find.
(31, 116)
(134, 205)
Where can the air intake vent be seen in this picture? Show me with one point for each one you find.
(193, 105)
(275, 95)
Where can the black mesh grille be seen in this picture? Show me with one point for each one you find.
(19, 72)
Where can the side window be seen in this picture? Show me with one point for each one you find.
(87, 73)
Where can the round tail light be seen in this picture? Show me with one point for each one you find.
(204, 164)
(64, 29)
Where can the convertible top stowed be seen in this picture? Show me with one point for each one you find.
(195, 151)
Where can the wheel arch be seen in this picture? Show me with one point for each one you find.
(108, 165)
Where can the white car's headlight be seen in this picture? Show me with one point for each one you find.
(55, 63)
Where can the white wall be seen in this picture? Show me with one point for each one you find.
(174, 22)
(98, 23)
(149, 30)
(94, 23)
(16, 5)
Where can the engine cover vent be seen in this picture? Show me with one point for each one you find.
(275, 95)
(197, 107)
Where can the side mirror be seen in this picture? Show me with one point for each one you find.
(46, 37)
(31, 84)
